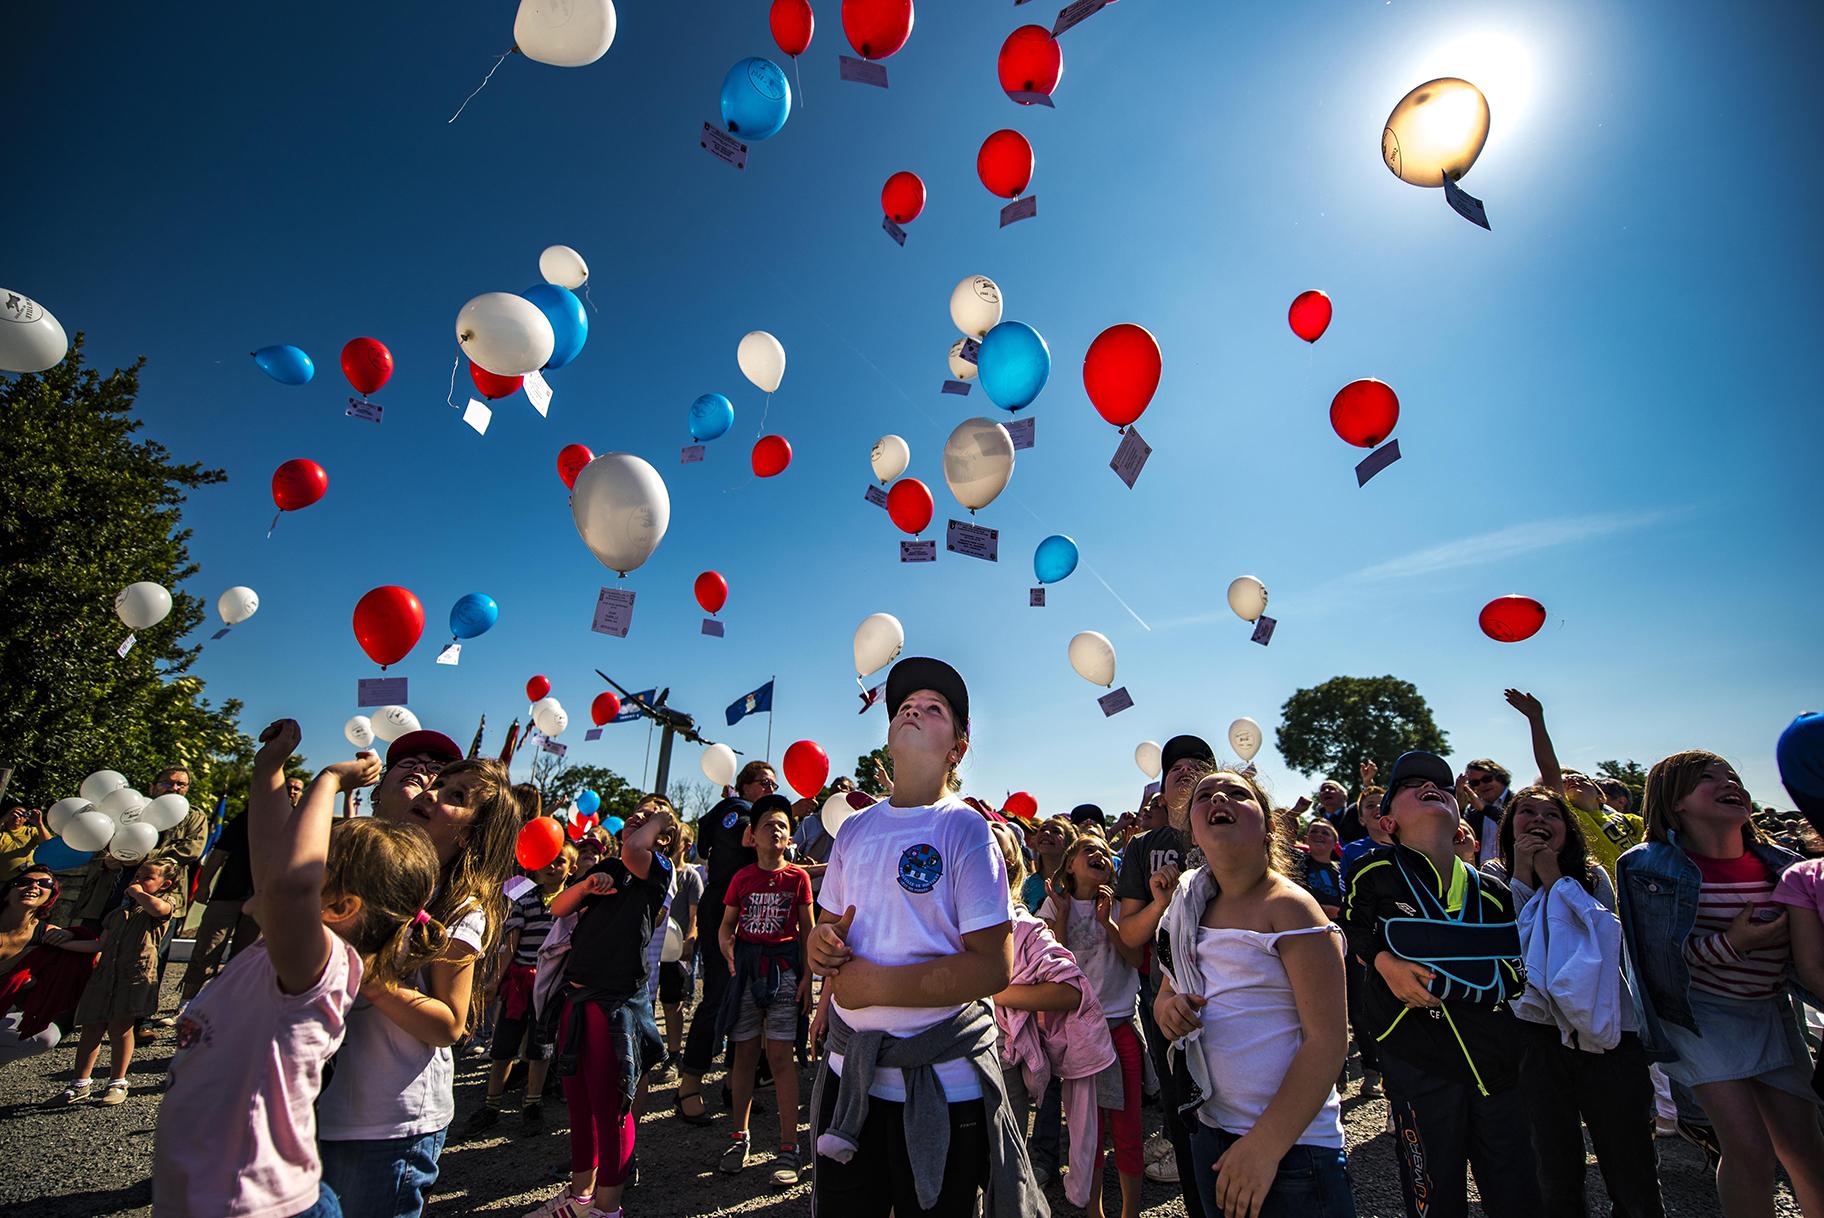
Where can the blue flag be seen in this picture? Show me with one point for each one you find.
(629, 712)
(752, 704)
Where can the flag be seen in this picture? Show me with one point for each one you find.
(630, 711)
(870, 697)
(751, 704)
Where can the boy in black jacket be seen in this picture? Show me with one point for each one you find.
(1442, 955)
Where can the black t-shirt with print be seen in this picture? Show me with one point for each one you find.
(1145, 855)
(608, 945)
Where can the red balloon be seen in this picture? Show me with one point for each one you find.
(605, 707)
(910, 505)
(1031, 62)
(712, 592)
(388, 623)
(807, 766)
(576, 828)
(298, 483)
(491, 386)
(538, 687)
(1005, 163)
(771, 455)
(1309, 315)
(367, 364)
(570, 461)
(1364, 412)
(1121, 372)
(1022, 805)
(539, 843)
(1508, 619)
(903, 197)
(792, 22)
(877, 28)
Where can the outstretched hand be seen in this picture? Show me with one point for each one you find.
(278, 742)
(1526, 704)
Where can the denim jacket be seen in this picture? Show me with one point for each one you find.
(1658, 886)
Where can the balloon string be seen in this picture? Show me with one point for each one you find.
(799, 81)
(763, 412)
(450, 397)
(482, 85)
(275, 521)
(592, 307)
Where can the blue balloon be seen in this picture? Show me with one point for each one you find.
(59, 855)
(1055, 558)
(473, 615)
(1013, 365)
(756, 99)
(569, 322)
(286, 365)
(614, 824)
(587, 802)
(710, 416)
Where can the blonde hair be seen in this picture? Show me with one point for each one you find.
(1008, 839)
(392, 870)
(1083, 842)
(471, 881)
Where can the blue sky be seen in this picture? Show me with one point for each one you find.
(1607, 402)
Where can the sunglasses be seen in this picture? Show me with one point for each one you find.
(1483, 781)
(34, 883)
(771, 784)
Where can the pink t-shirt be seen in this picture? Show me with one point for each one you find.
(245, 1047)
(1802, 885)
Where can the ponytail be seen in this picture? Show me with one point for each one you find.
(418, 941)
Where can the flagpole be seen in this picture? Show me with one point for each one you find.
(774, 682)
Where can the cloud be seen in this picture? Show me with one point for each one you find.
(1503, 544)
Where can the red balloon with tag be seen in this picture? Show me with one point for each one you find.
(539, 843)
(1022, 805)
(389, 621)
(576, 828)
(570, 462)
(903, 197)
(1121, 372)
(877, 28)
(910, 505)
(771, 455)
(1005, 163)
(606, 706)
(298, 483)
(1509, 619)
(1309, 315)
(538, 687)
(1364, 412)
(793, 23)
(493, 387)
(367, 364)
(712, 592)
(807, 766)
(1031, 62)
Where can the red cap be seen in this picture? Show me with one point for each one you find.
(425, 742)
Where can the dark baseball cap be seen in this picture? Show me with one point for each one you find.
(1179, 747)
(921, 672)
(426, 743)
(1086, 814)
(771, 803)
(1800, 754)
(1420, 764)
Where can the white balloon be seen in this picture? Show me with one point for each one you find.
(564, 33)
(550, 716)
(1248, 598)
(60, 813)
(359, 731)
(890, 457)
(142, 605)
(237, 605)
(392, 722)
(978, 462)
(975, 306)
(621, 509)
(1146, 756)
(762, 359)
(166, 812)
(719, 765)
(505, 334)
(563, 266)
(842, 807)
(88, 831)
(97, 785)
(116, 803)
(31, 340)
(961, 368)
(1244, 738)
(673, 950)
(133, 842)
(877, 642)
(1093, 656)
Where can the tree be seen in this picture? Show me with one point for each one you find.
(85, 510)
(564, 783)
(1630, 774)
(1332, 728)
(692, 797)
(864, 771)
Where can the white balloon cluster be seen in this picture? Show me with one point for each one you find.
(550, 717)
(109, 815)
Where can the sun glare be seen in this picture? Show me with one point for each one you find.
(1498, 62)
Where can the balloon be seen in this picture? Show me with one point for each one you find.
(889, 458)
(771, 455)
(473, 615)
(1022, 805)
(88, 831)
(756, 99)
(538, 687)
(587, 801)
(1055, 558)
(792, 23)
(719, 765)
(166, 812)
(614, 825)
(878, 641)
(391, 722)
(975, 306)
(1093, 656)
(978, 462)
(712, 415)
(807, 767)
(116, 804)
(563, 266)
(564, 34)
(1031, 61)
(540, 841)
(673, 949)
(621, 509)
(910, 506)
(606, 706)
(1509, 619)
(960, 368)
(576, 828)
(840, 808)
(571, 459)
(569, 321)
(712, 592)
(1244, 738)
(59, 813)
(1438, 128)
(762, 359)
(877, 28)
(903, 197)
(33, 340)
(99, 785)
(1364, 412)
(367, 364)
(133, 842)
(1121, 372)
(359, 731)
(1005, 164)
(493, 387)
(298, 483)
(506, 334)
(142, 605)
(237, 605)
(389, 620)
(1147, 757)
(1247, 597)
(550, 717)
(1309, 315)
(59, 855)
(286, 365)
(1014, 364)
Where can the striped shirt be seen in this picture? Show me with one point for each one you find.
(531, 917)
(1716, 966)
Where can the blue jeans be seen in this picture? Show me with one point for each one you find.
(1046, 1148)
(1312, 1180)
(383, 1178)
(326, 1207)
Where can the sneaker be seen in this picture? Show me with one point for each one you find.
(1158, 1147)
(1371, 1082)
(563, 1206)
(786, 1168)
(735, 1157)
(116, 1092)
(532, 1112)
(485, 1117)
(1163, 1171)
(75, 1093)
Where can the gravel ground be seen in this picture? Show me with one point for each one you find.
(95, 1162)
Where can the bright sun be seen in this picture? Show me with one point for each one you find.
(1497, 62)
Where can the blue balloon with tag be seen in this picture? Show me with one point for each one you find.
(286, 365)
(1055, 558)
(1013, 365)
(569, 321)
(473, 615)
(587, 801)
(614, 825)
(756, 99)
(711, 416)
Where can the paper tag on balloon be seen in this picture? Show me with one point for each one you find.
(361, 408)
(1036, 599)
(712, 627)
(959, 388)
(478, 415)
(380, 691)
(1377, 461)
(1020, 209)
(690, 453)
(1076, 14)
(970, 352)
(893, 230)
(1031, 99)
(538, 393)
(126, 645)
(862, 72)
(1263, 630)
(918, 551)
(1464, 203)
(973, 541)
(1131, 457)
(876, 496)
(451, 654)
(1022, 432)
(553, 747)
(723, 146)
(613, 612)
(518, 887)
(1116, 702)
(594, 733)
(220, 634)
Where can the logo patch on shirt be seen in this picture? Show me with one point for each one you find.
(1406, 909)
(731, 820)
(920, 868)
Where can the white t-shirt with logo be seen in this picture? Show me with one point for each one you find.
(1117, 982)
(919, 879)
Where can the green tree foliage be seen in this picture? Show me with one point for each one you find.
(1630, 774)
(564, 783)
(865, 780)
(1330, 729)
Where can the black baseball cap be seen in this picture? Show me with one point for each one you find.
(921, 672)
(1420, 764)
(1087, 814)
(771, 803)
(1179, 747)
